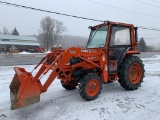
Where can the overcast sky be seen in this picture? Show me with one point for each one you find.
(27, 22)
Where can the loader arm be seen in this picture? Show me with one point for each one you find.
(58, 64)
(56, 67)
(25, 89)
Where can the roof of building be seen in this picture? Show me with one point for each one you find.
(16, 37)
(18, 40)
(19, 43)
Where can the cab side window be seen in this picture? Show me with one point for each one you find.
(120, 36)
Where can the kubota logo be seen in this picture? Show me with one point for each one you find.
(93, 57)
(72, 51)
(86, 51)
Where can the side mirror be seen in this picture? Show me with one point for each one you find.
(90, 27)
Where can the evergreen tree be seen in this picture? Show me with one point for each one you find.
(142, 45)
(15, 32)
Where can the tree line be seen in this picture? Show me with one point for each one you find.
(142, 47)
(6, 32)
(50, 35)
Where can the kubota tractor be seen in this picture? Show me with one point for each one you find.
(107, 57)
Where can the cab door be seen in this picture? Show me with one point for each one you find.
(119, 44)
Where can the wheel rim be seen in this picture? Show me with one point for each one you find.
(92, 87)
(135, 73)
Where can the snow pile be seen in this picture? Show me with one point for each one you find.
(48, 52)
(24, 52)
(114, 103)
(28, 53)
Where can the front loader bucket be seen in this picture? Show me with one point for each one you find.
(23, 89)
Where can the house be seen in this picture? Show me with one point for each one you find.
(21, 43)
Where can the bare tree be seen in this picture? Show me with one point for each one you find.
(44, 41)
(50, 31)
(59, 29)
(5, 31)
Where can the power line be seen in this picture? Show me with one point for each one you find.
(150, 34)
(152, 37)
(130, 11)
(147, 3)
(123, 9)
(42, 10)
(146, 28)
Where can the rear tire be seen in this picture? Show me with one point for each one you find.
(70, 86)
(131, 73)
(90, 86)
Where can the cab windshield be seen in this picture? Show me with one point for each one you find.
(97, 37)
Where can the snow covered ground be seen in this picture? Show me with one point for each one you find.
(114, 102)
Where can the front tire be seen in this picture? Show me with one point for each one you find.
(131, 73)
(90, 86)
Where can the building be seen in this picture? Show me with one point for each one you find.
(21, 43)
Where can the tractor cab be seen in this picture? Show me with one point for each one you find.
(116, 39)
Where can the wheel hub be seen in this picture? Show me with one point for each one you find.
(93, 87)
(135, 73)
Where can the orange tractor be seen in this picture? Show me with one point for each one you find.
(107, 57)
